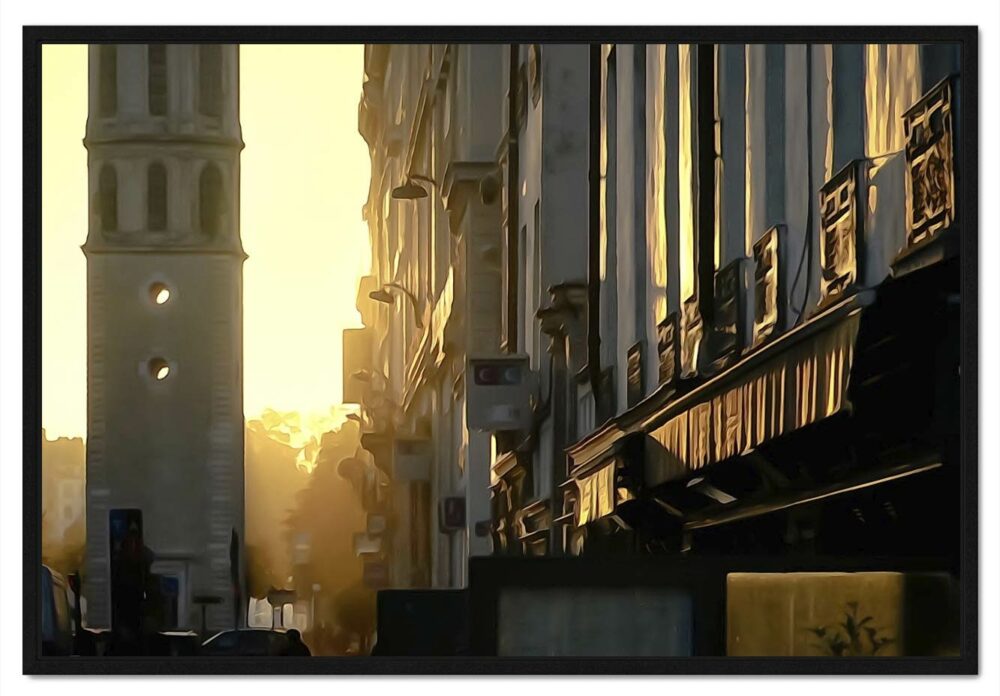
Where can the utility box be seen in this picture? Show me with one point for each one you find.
(499, 393)
(423, 622)
(451, 514)
(411, 460)
(376, 524)
(366, 544)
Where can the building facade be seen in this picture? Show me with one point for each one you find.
(431, 116)
(728, 272)
(757, 217)
(164, 333)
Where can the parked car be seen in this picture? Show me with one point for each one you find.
(173, 644)
(57, 625)
(256, 642)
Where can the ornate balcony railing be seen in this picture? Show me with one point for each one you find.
(928, 126)
(841, 226)
(727, 320)
(634, 375)
(667, 344)
(768, 307)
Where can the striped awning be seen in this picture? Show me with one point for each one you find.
(599, 493)
(792, 389)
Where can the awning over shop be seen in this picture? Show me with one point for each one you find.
(596, 495)
(744, 408)
(869, 479)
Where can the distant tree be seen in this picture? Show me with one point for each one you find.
(355, 609)
(68, 554)
(328, 512)
(273, 479)
(261, 571)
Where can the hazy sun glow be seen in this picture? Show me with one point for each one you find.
(304, 178)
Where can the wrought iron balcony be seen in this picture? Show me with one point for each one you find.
(728, 310)
(928, 126)
(841, 226)
(768, 316)
(667, 345)
(634, 375)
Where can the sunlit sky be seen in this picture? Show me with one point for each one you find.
(305, 176)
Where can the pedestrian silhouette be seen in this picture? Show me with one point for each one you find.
(296, 648)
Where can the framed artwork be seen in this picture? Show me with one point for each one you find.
(526, 350)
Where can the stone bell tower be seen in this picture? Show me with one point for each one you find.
(165, 326)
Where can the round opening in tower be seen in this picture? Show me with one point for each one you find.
(159, 369)
(159, 293)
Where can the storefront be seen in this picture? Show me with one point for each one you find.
(788, 450)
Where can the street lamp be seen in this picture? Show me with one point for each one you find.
(385, 297)
(410, 190)
(368, 376)
(360, 419)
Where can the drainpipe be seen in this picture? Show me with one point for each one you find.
(594, 239)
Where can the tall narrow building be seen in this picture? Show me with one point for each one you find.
(165, 328)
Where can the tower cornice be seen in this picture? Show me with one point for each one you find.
(91, 249)
(199, 139)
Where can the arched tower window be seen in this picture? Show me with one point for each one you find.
(107, 66)
(156, 197)
(210, 200)
(210, 79)
(157, 79)
(107, 198)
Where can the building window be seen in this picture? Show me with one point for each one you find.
(686, 175)
(708, 165)
(107, 66)
(535, 72)
(892, 84)
(537, 293)
(210, 200)
(521, 97)
(107, 198)
(689, 320)
(157, 79)
(156, 197)
(608, 212)
(656, 140)
(522, 293)
(210, 79)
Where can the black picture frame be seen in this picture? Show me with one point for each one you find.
(33, 663)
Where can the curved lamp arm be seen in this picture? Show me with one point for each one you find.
(413, 300)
